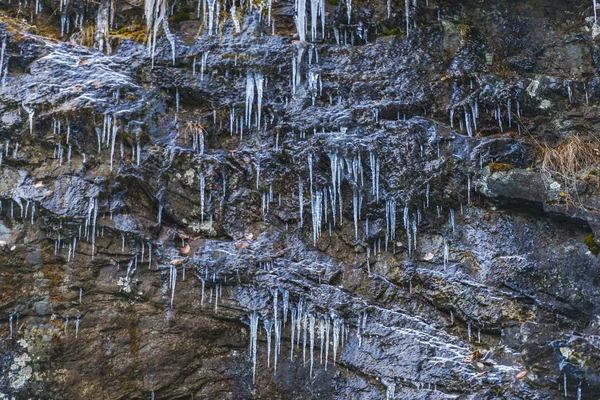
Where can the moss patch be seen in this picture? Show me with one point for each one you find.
(500, 167)
(136, 33)
(179, 17)
(591, 244)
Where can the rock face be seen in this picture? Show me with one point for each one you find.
(299, 200)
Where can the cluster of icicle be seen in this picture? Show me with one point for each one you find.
(326, 204)
(307, 330)
(471, 115)
(156, 16)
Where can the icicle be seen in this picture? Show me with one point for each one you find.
(326, 340)
(312, 341)
(469, 331)
(469, 189)
(390, 391)
(293, 334)
(10, 320)
(446, 254)
(202, 189)
(259, 81)
(173, 283)
(203, 65)
(349, 9)
(336, 335)
(31, 113)
(236, 23)
(407, 13)
(101, 40)
(300, 19)
(211, 15)
(253, 339)
(304, 335)
(268, 327)
(249, 97)
(301, 202)
(2, 52)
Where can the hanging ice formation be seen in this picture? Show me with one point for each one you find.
(156, 16)
(31, 113)
(101, 41)
(390, 391)
(236, 23)
(253, 340)
(390, 219)
(10, 318)
(202, 189)
(300, 19)
(317, 9)
(249, 97)
(407, 12)
(210, 25)
(349, 10)
(172, 282)
(203, 64)
(3, 59)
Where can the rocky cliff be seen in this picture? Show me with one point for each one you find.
(229, 199)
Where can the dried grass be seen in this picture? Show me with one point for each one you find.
(573, 160)
(193, 128)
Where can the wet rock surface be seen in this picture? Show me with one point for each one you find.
(255, 212)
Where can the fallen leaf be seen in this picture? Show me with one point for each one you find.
(38, 185)
(521, 374)
(185, 249)
(241, 245)
(177, 261)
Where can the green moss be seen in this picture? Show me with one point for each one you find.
(391, 32)
(591, 244)
(180, 16)
(136, 33)
(499, 167)
(334, 2)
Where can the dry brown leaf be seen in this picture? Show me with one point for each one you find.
(521, 374)
(177, 261)
(241, 245)
(185, 249)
